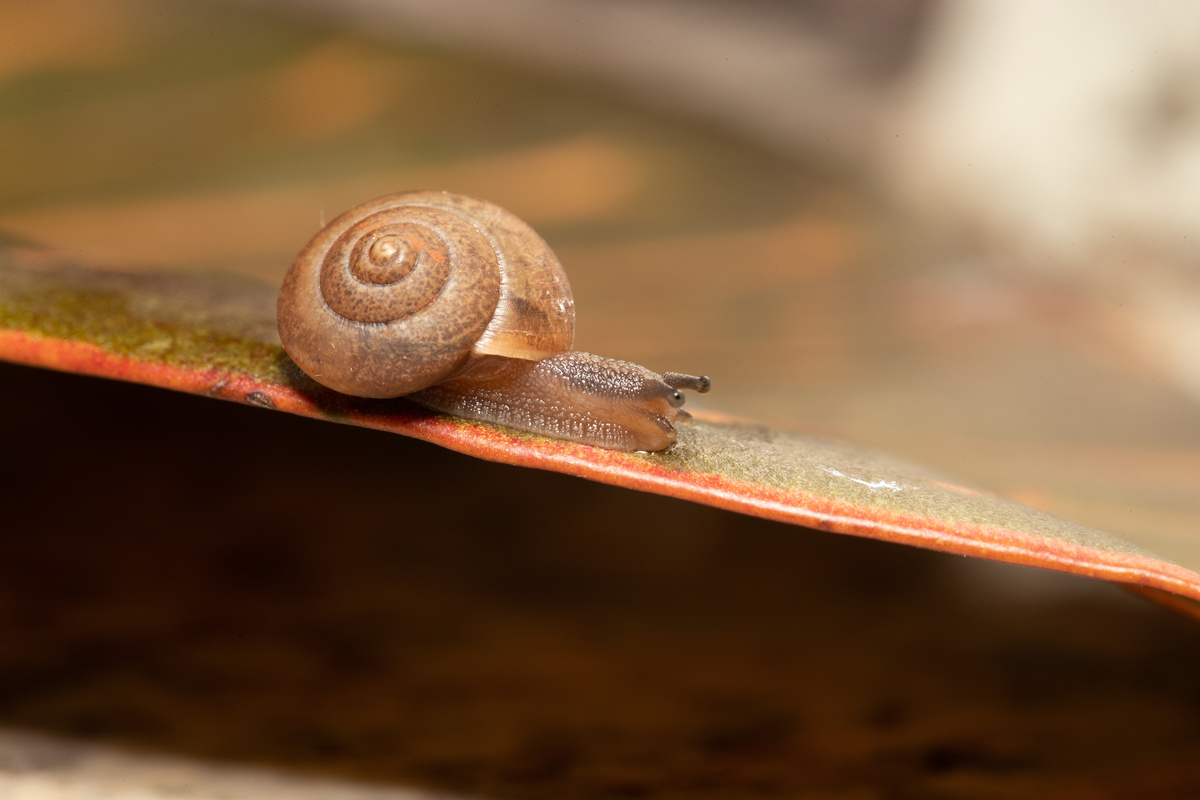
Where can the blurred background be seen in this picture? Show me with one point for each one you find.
(965, 233)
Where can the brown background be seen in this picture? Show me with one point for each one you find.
(212, 580)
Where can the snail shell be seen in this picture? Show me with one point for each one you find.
(397, 294)
(461, 306)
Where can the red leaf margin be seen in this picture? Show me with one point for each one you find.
(1162, 581)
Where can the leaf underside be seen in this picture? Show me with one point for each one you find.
(215, 335)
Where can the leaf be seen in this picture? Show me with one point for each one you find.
(215, 335)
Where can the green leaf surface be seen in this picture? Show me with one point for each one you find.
(215, 335)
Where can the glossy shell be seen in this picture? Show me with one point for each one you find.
(398, 293)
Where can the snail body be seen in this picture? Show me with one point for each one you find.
(460, 306)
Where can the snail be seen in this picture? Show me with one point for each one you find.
(461, 307)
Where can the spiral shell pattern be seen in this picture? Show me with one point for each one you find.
(397, 294)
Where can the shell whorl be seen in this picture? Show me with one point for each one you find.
(396, 294)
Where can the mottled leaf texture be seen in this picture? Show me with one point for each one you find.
(215, 335)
